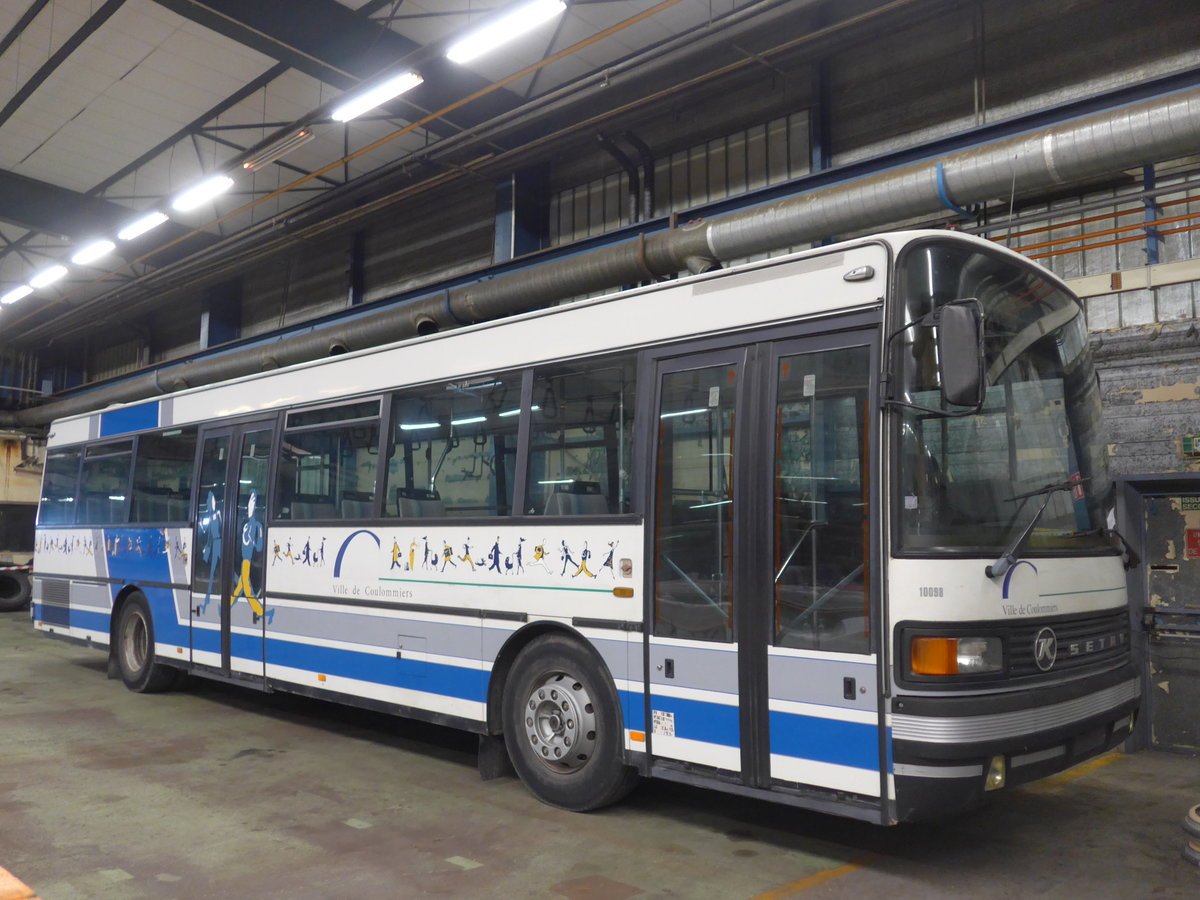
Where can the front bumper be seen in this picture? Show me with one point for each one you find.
(942, 746)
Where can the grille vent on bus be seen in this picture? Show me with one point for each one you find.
(1081, 643)
(56, 601)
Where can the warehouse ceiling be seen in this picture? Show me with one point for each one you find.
(111, 107)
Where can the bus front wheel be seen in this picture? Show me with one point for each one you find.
(562, 726)
(135, 649)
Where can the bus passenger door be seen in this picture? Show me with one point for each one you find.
(229, 616)
(820, 723)
(694, 693)
(761, 657)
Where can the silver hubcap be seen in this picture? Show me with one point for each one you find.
(560, 723)
(135, 642)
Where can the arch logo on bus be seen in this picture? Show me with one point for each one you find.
(1045, 649)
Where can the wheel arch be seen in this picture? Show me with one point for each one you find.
(518, 641)
(119, 602)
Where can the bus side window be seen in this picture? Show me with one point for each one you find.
(58, 488)
(104, 484)
(328, 472)
(162, 476)
(452, 448)
(581, 438)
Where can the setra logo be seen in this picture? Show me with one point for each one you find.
(1045, 649)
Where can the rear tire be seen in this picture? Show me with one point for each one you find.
(562, 726)
(134, 649)
(14, 591)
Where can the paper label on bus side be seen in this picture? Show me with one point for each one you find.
(664, 722)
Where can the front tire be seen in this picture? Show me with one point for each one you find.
(134, 649)
(562, 726)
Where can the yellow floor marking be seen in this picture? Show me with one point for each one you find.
(803, 884)
(12, 888)
(1087, 768)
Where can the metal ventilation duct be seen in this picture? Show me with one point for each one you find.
(1077, 150)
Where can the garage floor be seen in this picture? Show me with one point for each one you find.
(218, 792)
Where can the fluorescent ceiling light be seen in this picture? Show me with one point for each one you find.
(16, 294)
(503, 29)
(47, 276)
(201, 193)
(272, 152)
(683, 412)
(517, 412)
(381, 93)
(140, 226)
(469, 421)
(416, 426)
(89, 253)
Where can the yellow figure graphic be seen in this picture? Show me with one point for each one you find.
(395, 554)
(412, 555)
(252, 543)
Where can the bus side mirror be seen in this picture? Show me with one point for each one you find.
(960, 352)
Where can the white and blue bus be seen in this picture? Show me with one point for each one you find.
(828, 529)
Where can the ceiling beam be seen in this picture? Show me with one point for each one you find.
(50, 209)
(344, 48)
(24, 22)
(58, 57)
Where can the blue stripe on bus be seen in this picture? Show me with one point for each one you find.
(431, 678)
(132, 418)
(825, 740)
(695, 720)
(633, 709)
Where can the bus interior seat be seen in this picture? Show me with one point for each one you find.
(578, 498)
(303, 509)
(419, 503)
(357, 509)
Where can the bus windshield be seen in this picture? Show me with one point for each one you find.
(965, 482)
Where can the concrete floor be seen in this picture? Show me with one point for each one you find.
(217, 792)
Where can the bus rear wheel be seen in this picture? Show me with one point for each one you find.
(562, 726)
(14, 591)
(135, 649)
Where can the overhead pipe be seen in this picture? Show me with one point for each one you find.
(1077, 150)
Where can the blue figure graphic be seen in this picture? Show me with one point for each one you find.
(567, 560)
(494, 556)
(210, 527)
(517, 555)
(608, 560)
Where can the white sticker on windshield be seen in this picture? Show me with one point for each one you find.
(810, 385)
(714, 397)
(910, 501)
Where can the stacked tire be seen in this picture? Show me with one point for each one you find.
(14, 590)
(1191, 827)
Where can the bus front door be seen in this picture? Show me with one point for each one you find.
(229, 614)
(762, 659)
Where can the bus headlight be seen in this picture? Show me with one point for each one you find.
(956, 656)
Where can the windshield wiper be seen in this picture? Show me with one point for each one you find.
(1009, 557)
